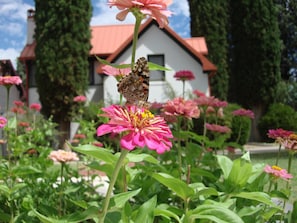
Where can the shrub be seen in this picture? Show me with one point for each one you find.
(278, 115)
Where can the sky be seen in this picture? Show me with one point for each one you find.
(13, 22)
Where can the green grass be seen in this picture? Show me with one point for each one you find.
(270, 158)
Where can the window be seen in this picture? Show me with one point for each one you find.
(157, 75)
(32, 74)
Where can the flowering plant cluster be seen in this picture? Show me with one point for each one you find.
(159, 162)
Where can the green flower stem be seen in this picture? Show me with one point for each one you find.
(278, 154)
(113, 179)
(61, 190)
(139, 18)
(183, 88)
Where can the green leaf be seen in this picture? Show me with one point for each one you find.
(5, 190)
(145, 213)
(225, 164)
(96, 152)
(176, 185)
(240, 173)
(153, 66)
(257, 196)
(45, 219)
(214, 213)
(119, 200)
(105, 62)
(167, 214)
(136, 158)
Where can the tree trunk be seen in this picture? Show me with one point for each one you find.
(258, 112)
(64, 133)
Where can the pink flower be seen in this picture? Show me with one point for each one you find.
(278, 133)
(198, 93)
(18, 103)
(184, 75)
(35, 106)
(98, 144)
(63, 156)
(277, 172)
(80, 98)
(157, 9)
(217, 128)
(3, 121)
(139, 127)
(18, 110)
(79, 136)
(10, 80)
(116, 72)
(24, 124)
(289, 143)
(244, 112)
(181, 107)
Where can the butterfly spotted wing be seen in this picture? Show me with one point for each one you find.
(135, 86)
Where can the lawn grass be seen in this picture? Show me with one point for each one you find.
(270, 158)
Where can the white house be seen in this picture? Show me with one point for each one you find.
(113, 43)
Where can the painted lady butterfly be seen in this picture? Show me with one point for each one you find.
(135, 86)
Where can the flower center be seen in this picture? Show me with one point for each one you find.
(276, 168)
(141, 118)
(293, 137)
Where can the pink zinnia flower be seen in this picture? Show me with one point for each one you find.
(184, 75)
(244, 112)
(63, 156)
(140, 127)
(18, 110)
(289, 143)
(18, 103)
(116, 72)
(198, 93)
(35, 106)
(79, 136)
(278, 172)
(80, 98)
(10, 80)
(98, 144)
(24, 124)
(3, 121)
(217, 128)
(157, 9)
(278, 133)
(181, 107)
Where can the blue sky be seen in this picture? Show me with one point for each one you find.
(13, 25)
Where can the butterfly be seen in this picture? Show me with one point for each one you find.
(135, 86)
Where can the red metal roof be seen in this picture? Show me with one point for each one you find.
(107, 39)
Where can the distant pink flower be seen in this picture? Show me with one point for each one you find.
(80, 98)
(181, 107)
(278, 133)
(277, 172)
(184, 75)
(139, 126)
(157, 9)
(18, 103)
(198, 93)
(98, 144)
(79, 136)
(18, 110)
(10, 80)
(289, 143)
(116, 72)
(3, 121)
(217, 128)
(204, 100)
(63, 156)
(244, 112)
(35, 106)
(24, 124)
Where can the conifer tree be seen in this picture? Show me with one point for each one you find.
(209, 18)
(255, 55)
(62, 47)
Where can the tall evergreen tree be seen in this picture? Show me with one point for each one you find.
(255, 54)
(287, 18)
(209, 18)
(63, 42)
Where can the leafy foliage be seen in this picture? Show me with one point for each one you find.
(210, 19)
(278, 116)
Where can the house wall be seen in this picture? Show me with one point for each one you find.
(154, 41)
(13, 96)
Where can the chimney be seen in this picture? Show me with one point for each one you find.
(30, 26)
